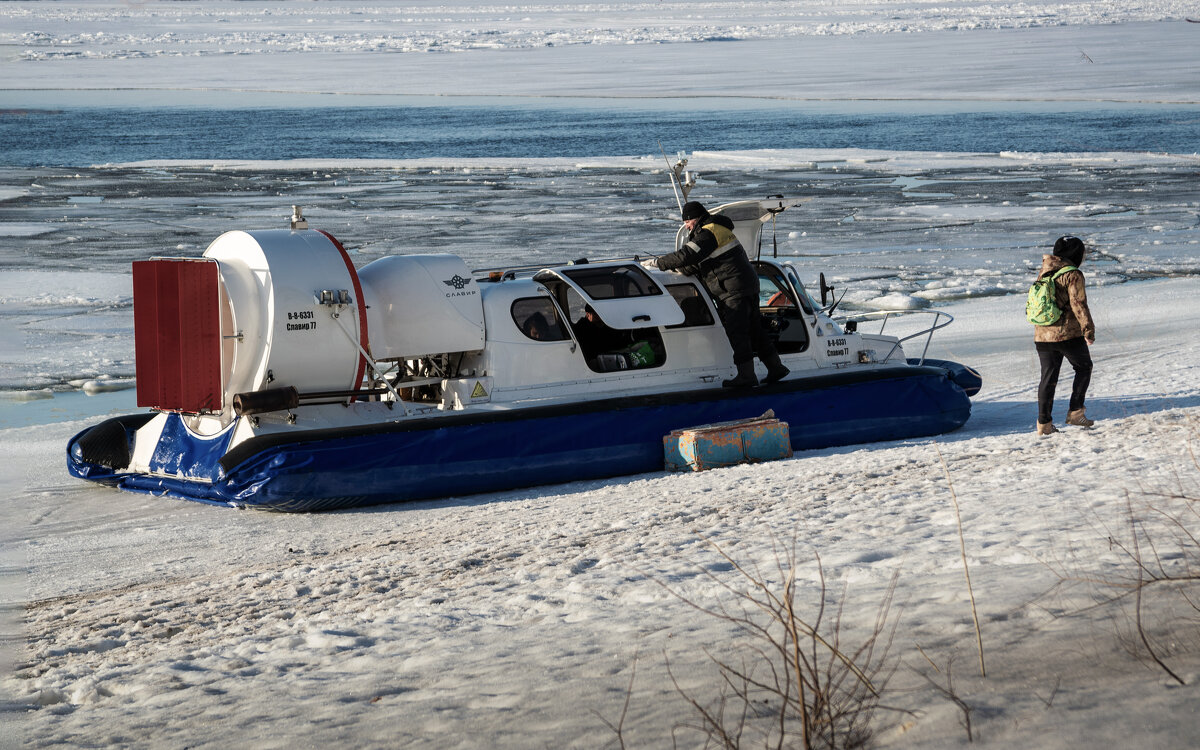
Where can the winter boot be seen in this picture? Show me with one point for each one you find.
(745, 377)
(775, 369)
(1046, 428)
(1079, 419)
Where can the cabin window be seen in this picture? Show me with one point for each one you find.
(538, 319)
(771, 293)
(805, 301)
(774, 289)
(695, 309)
(612, 283)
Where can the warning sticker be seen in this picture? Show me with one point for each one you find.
(479, 392)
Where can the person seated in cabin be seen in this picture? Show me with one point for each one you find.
(536, 327)
(606, 349)
(597, 337)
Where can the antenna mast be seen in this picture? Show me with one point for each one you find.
(682, 181)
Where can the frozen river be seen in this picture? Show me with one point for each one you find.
(889, 229)
(943, 147)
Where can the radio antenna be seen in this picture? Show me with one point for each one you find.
(674, 174)
(682, 181)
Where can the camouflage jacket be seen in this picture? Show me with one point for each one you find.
(1071, 296)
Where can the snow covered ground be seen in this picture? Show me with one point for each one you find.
(516, 619)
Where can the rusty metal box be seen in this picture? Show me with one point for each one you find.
(726, 444)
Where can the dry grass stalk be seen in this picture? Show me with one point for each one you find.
(947, 691)
(1159, 538)
(962, 547)
(619, 727)
(1147, 575)
(794, 680)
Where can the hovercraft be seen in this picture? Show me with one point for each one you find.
(276, 375)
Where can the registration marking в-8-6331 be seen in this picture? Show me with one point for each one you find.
(836, 347)
(305, 315)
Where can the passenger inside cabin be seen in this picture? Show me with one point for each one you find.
(596, 337)
(536, 318)
(536, 327)
(606, 349)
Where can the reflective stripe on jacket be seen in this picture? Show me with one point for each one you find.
(713, 254)
(726, 241)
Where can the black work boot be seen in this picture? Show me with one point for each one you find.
(775, 369)
(745, 377)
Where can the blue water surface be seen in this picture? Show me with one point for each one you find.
(421, 129)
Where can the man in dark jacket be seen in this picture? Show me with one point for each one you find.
(713, 254)
(1069, 336)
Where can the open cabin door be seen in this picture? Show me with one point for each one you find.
(624, 296)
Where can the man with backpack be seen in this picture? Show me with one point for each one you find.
(1057, 306)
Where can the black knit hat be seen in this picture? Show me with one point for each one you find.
(694, 210)
(1070, 249)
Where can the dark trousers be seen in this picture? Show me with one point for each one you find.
(743, 327)
(1051, 354)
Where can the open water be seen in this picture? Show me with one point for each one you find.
(420, 129)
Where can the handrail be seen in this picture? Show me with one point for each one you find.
(511, 272)
(886, 315)
(507, 273)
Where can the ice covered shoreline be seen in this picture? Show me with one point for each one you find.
(803, 51)
(907, 229)
(885, 162)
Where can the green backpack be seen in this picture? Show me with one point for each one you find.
(640, 355)
(1041, 308)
